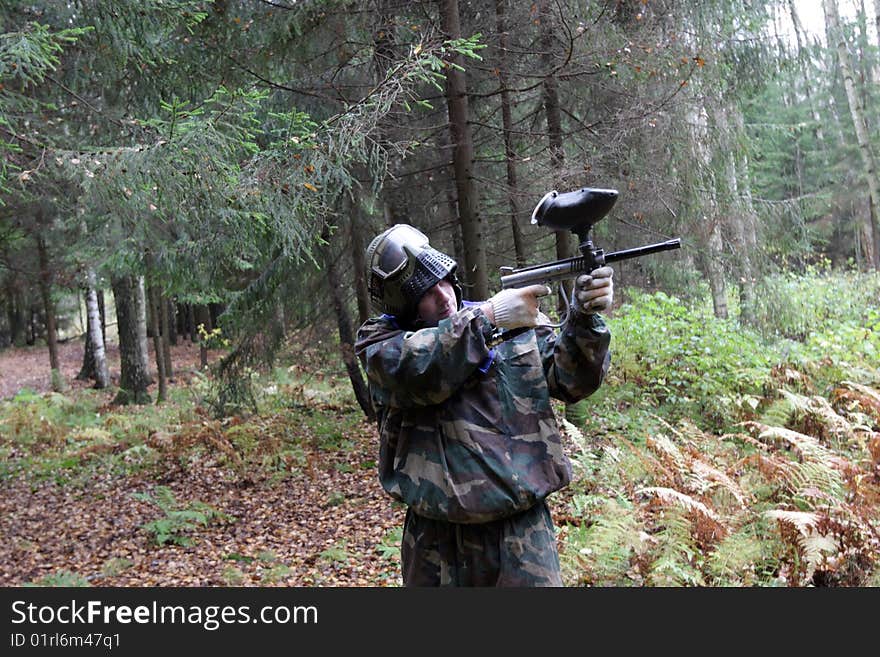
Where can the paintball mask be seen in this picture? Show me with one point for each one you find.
(401, 267)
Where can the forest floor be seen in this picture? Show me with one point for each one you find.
(328, 524)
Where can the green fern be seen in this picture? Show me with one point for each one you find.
(602, 554)
(62, 578)
(178, 522)
(778, 413)
(813, 545)
(748, 556)
(676, 560)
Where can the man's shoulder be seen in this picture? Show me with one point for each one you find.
(376, 327)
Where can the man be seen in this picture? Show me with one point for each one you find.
(468, 437)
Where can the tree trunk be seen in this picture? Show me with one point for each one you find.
(87, 371)
(355, 227)
(133, 379)
(877, 19)
(15, 314)
(750, 220)
(95, 339)
(216, 309)
(191, 323)
(452, 211)
(576, 413)
(102, 314)
(346, 335)
(171, 308)
(832, 17)
(155, 312)
(49, 308)
(507, 124)
(475, 272)
(144, 350)
(31, 336)
(745, 273)
(808, 86)
(553, 113)
(164, 328)
(708, 230)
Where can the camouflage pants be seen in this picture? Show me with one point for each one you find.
(516, 551)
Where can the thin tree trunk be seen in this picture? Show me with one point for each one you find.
(356, 240)
(15, 314)
(745, 274)
(709, 224)
(832, 17)
(808, 87)
(31, 337)
(452, 209)
(155, 311)
(164, 326)
(191, 323)
(507, 124)
(346, 335)
(172, 322)
(553, 113)
(102, 314)
(576, 413)
(87, 371)
(180, 314)
(95, 338)
(877, 19)
(49, 308)
(749, 221)
(475, 272)
(144, 350)
(133, 380)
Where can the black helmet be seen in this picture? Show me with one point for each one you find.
(401, 267)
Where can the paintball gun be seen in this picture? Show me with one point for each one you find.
(577, 211)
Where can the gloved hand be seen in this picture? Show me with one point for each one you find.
(593, 292)
(517, 307)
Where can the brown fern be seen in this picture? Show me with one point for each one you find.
(856, 395)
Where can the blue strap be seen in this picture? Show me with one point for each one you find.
(487, 362)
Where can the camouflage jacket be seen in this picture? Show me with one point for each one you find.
(467, 433)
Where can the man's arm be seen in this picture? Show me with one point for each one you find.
(424, 367)
(577, 360)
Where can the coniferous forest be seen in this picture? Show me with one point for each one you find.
(186, 194)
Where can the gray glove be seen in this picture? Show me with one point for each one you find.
(517, 307)
(593, 292)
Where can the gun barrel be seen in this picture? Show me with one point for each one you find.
(546, 273)
(638, 251)
(571, 267)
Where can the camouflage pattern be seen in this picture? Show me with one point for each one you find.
(519, 550)
(468, 434)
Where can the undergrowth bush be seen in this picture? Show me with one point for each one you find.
(767, 506)
(685, 360)
(38, 421)
(717, 455)
(795, 305)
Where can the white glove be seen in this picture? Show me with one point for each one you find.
(517, 306)
(594, 292)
